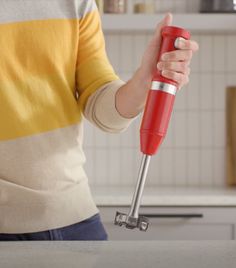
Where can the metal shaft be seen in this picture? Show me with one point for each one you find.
(140, 186)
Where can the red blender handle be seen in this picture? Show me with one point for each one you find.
(160, 99)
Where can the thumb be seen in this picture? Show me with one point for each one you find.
(166, 21)
(149, 58)
(155, 42)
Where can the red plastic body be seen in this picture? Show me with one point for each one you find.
(159, 104)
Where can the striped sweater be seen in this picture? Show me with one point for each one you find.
(53, 72)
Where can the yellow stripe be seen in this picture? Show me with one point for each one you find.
(37, 77)
(38, 73)
(94, 69)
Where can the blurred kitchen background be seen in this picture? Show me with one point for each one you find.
(189, 193)
(194, 151)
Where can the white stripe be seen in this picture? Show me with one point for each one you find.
(26, 10)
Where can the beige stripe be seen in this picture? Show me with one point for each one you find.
(42, 182)
(101, 109)
(34, 211)
(48, 161)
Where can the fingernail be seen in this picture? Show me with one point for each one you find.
(179, 42)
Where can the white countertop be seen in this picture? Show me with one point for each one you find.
(122, 196)
(118, 254)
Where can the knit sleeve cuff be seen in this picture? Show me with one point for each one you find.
(101, 109)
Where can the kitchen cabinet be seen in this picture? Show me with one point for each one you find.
(210, 213)
(175, 223)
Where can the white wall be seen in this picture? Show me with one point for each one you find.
(193, 153)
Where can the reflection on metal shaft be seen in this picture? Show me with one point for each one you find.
(140, 186)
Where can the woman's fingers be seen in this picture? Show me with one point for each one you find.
(180, 78)
(177, 55)
(183, 53)
(176, 66)
(182, 43)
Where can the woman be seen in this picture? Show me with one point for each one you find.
(53, 70)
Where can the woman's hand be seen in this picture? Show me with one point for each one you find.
(173, 65)
(131, 98)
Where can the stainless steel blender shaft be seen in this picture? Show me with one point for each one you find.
(135, 205)
(133, 219)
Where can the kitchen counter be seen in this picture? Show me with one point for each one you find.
(118, 254)
(122, 196)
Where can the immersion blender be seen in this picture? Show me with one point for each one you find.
(156, 117)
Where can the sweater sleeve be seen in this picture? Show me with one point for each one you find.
(97, 82)
(93, 68)
(101, 109)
